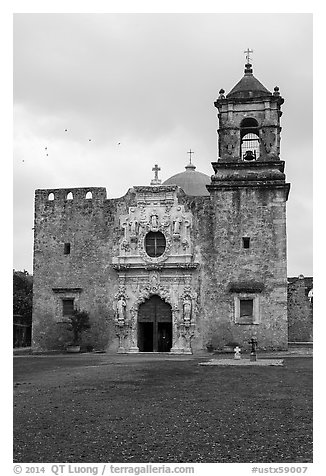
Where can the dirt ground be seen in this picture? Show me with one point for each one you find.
(156, 408)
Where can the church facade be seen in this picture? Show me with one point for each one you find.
(192, 264)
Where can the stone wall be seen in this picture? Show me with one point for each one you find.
(92, 228)
(214, 270)
(229, 270)
(232, 112)
(300, 309)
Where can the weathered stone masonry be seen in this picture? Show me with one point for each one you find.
(218, 268)
(300, 309)
(221, 267)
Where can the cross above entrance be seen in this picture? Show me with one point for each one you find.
(156, 180)
(247, 53)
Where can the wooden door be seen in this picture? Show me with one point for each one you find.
(154, 326)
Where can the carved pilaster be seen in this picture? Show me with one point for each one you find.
(133, 329)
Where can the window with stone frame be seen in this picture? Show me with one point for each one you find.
(246, 309)
(66, 300)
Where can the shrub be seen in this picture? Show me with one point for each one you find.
(79, 322)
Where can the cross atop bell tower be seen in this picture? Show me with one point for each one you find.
(247, 53)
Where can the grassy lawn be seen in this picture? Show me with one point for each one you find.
(100, 408)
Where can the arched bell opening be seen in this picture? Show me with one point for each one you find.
(154, 325)
(250, 142)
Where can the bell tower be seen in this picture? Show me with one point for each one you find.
(249, 133)
(248, 197)
(249, 121)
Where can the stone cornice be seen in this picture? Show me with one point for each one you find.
(246, 287)
(154, 266)
(233, 185)
(261, 99)
(155, 188)
(67, 290)
(243, 165)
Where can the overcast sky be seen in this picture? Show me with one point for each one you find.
(148, 82)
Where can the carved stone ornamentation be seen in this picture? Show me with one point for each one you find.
(168, 275)
(154, 222)
(157, 210)
(121, 321)
(268, 140)
(154, 283)
(187, 308)
(121, 333)
(146, 291)
(177, 226)
(121, 311)
(186, 326)
(133, 224)
(125, 245)
(120, 299)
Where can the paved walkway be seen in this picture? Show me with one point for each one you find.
(294, 351)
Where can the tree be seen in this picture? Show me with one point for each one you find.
(79, 322)
(22, 293)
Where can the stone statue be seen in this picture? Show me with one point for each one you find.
(125, 245)
(187, 311)
(121, 311)
(124, 226)
(133, 227)
(177, 226)
(154, 220)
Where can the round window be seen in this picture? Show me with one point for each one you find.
(155, 244)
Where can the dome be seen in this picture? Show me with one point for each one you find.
(192, 182)
(248, 87)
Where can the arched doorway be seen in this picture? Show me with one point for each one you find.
(154, 326)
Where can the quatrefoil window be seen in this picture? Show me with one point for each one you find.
(155, 244)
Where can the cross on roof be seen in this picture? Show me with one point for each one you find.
(247, 53)
(190, 152)
(156, 170)
(156, 180)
